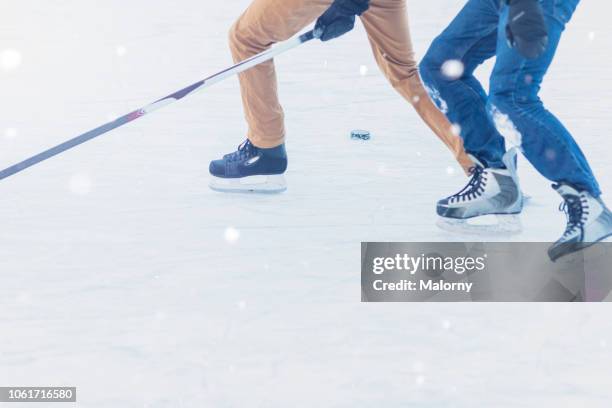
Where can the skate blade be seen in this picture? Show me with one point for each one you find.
(493, 224)
(572, 249)
(253, 184)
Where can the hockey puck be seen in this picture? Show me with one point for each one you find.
(360, 135)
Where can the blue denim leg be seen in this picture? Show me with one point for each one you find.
(515, 84)
(470, 38)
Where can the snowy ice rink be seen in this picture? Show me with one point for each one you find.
(121, 273)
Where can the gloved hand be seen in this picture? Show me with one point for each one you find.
(526, 30)
(339, 18)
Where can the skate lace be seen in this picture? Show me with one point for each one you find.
(474, 188)
(576, 211)
(244, 151)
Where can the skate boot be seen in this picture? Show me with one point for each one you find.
(250, 169)
(588, 221)
(490, 191)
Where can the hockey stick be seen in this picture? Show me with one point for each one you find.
(107, 127)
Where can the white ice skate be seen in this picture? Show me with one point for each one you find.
(489, 191)
(588, 221)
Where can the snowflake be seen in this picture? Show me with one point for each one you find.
(453, 69)
(120, 50)
(456, 129)
(10, 59)
(10, 133)
(231, 235)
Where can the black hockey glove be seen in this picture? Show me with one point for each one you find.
(339, 18)
(526, 30)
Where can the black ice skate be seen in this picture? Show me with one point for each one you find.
(588, 221)
(250, 169)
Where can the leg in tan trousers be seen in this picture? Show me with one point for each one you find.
(266, 22)
(386, 23)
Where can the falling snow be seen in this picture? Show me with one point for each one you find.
(124, 275)
(120, 50)
(452, 69)
(10, 59)
(10, 133)
(456, 129)
(231, 235)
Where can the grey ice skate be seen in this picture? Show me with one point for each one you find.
(489, 191)
(588, 221)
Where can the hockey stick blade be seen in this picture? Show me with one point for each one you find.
(107, 127)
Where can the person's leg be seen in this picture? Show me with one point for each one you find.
(386, 23)
(471, 38)
(264, 23)
(515, 85)
(547, 144)
(259, 163)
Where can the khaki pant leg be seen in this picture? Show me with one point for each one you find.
(386, 23)
(264, 23)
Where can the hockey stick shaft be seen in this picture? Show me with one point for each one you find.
(198, 86)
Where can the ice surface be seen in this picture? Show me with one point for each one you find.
(123, 274)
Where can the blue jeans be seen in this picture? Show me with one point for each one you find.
(513, 105)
